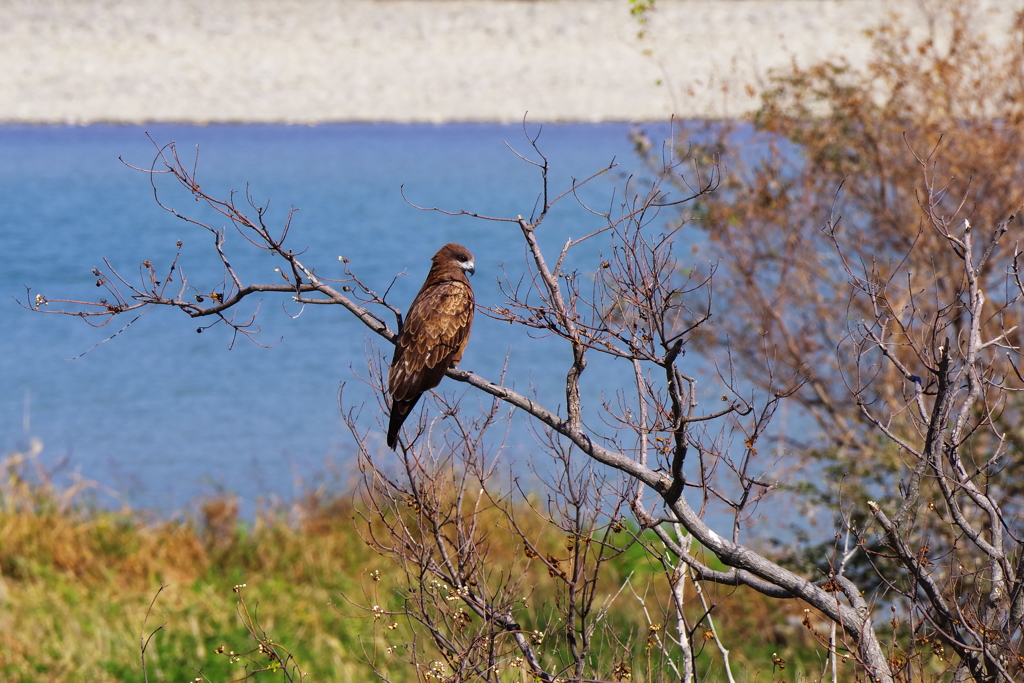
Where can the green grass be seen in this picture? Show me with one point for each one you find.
(76, 582)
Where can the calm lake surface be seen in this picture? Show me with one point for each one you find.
(163, 415)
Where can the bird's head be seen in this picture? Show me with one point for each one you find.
(455, 254)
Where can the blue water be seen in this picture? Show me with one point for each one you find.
(163, 415)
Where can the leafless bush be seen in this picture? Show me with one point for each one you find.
(659, 468)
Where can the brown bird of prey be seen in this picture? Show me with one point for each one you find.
(434, 333)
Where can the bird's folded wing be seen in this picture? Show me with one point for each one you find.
(432, 340)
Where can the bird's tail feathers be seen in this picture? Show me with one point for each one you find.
(399, 411)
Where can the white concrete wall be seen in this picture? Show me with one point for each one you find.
(307, 61)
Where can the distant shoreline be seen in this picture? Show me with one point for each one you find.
(429, 61)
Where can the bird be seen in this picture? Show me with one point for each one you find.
(434, 334)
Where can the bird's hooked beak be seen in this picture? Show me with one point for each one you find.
(469, 267)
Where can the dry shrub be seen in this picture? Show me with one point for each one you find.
(219, 523)
(47, 529)
(832, 142)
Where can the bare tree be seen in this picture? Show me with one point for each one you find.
(661, 468)
(959, 580)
